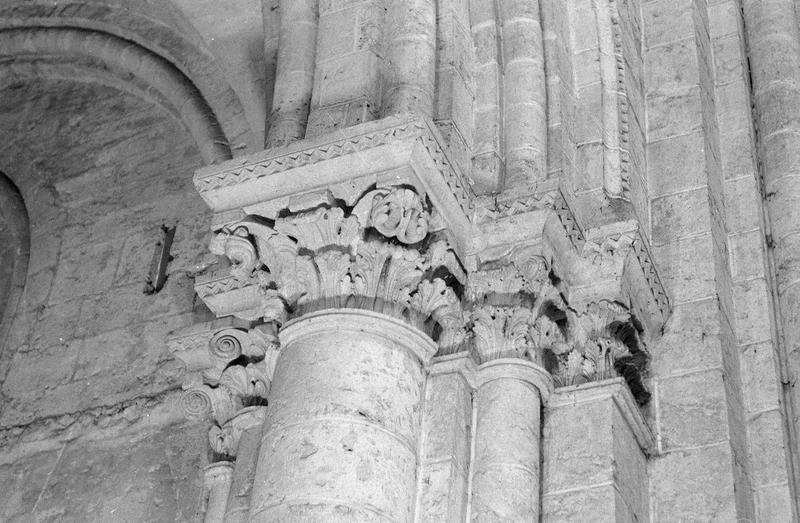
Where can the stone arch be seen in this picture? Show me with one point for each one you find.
(100, 54)
(149, 43)
(14, 252)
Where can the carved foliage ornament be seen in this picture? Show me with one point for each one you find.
(528, 274)
(326, 258)
(603, 343)
(516, 314)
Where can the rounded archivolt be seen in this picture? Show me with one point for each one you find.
(14, 252)
(85, 55)
(150, 44)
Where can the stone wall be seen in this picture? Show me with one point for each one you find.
(716, 407)
(150, 474)
(85, 350)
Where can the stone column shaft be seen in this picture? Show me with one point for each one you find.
(411, 57)
(773, 41)
(446, 433)
(294, 76)
(506, 473)
(244, 472)
(340, 438)
(217, 482)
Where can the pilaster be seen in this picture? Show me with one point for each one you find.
(602, 443)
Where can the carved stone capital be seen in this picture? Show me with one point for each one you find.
(501, 332)
(206, 349)
(603, 343)
(377, 255)
(238, 386)
(521, 313)
(377, 218)
(229, 364)
(612, 264)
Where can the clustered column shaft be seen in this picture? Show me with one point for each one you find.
(217, 480)
(773, 39)
(295, 72)
(525, 94)
(411, 57)
(506, 471)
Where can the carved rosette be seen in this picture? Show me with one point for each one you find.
(377, 255)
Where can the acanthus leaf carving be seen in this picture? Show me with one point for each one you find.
(603, 343)
(527, 274)
(248, 384)
(368, 267)
(500, 332)
(327, 257)
(321, 228)
(335, 282)
(402, 275)
(546, 335)
(441, 254)
(432, 296)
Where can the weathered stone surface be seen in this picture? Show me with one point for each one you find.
(148, 476)
(642, 154)
(351, 440)
(680, 494)
(604, 460)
